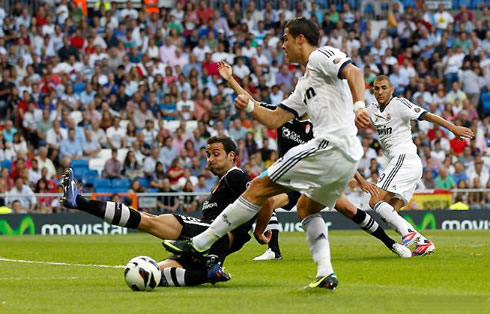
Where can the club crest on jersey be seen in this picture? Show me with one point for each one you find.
(308, 129)
(388, 117)
(417, 109)
(336, 60)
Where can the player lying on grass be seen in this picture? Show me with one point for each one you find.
(295, 132)
(391, 117)
(181, 270)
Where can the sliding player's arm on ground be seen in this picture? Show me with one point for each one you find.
(265, 214)
(226, 72)
(459, 131)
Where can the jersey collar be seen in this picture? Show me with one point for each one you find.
(383, 109)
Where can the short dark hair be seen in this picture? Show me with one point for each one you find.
(305, 27)
(382, 78)
(227, 142)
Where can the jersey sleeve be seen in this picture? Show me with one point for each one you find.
(294, 103)
(237, 181)
(410, 111)
(328, 61)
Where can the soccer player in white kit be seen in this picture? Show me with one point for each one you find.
(332, 93)
(391, 117)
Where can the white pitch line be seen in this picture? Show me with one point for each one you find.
(39, 278)
(58, 263)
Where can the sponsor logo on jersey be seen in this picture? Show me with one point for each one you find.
(308, 129)
(384, 130)
(207, 205)
(291, 135)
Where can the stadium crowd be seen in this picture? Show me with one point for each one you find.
(74, 84)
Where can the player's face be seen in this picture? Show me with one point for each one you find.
(219, 162)
(290, 46)
(383, 91)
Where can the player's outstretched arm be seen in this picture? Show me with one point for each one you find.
(226, 72)
(459, 131)
(355, 80)
(272, 119)
(366, 186)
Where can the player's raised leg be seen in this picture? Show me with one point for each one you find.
(163, 226)
(237, 213)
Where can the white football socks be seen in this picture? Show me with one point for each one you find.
(391, 217)
(233, 216)
(317, 237)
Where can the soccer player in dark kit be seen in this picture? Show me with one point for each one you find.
(181, 270)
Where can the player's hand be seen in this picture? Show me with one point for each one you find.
(461, 131)
(370, 188)
(241, 102)
(362, 118)
(225, 70)
(263, 238)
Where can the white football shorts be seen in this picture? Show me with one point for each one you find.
(401, 176)
(315, 169)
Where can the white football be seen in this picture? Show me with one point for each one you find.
(142, 273)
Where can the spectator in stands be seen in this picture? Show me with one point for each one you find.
(45, 162)
(168, 202)
(6, 181)
(112, 167)
(116, 135)
(189, 202)
(444, 181)
(131, 166)
(70, 147)
(22, 193)
(90, 145)
(151, 162)
(460, 174)
(34, 173)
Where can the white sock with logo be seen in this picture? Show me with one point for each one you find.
(317, 238)
(233, 216)
(391, 217)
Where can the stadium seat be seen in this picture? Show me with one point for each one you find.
(80, 172)
(89, 177)
(103, 189)
(119, 190)
(121, 183)
(485, 98)
(6, 164)
(144, 182)
(79, 163)
(100, 183)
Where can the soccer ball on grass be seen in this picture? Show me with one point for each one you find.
(142, 273)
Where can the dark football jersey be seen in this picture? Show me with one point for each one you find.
(291, 133)
(228, 189)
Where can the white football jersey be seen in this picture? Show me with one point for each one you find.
(328, 101)
(393, 125)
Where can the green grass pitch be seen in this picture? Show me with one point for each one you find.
(456, 279)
